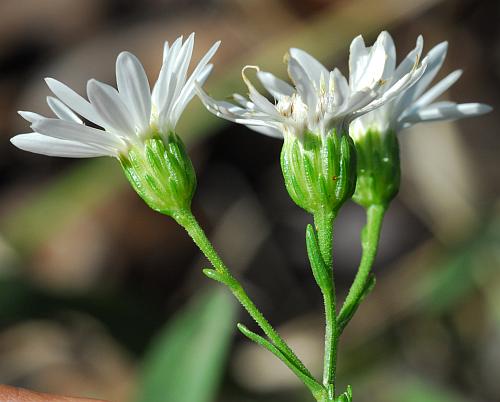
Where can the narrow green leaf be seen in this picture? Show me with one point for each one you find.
(320, 270)
(186, 361)
(216, 276)
(315, 387)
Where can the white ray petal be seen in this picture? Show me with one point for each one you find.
(260, 101)
(172, 82)
(341, 91)
(257, 122)
(166, 49)
(175, 51)
(244, 101)
(133, 87)
(358, 55)
(360, 102)
(222, 109)
(44, 145)
(200, 68)
(183, 61)
(266, 130)
(390, 51)
(305, 87)
(399, 87)
(316, 72)
(164, 78)
(159, 87)
(275, 86)
(178, 63)
(188, 93)
(74, 101)
(199, 74)
(233, 112)
(434, 59)
(61, 110)
(163, 114)
(446, 111)
(110, 108)
(374, 67)
(208, 100)
(67, 130)
(30, 116)
(410, 60)
(438, 89)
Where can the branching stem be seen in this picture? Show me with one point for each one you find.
(189, 222)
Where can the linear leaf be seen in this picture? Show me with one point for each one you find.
(310, 382)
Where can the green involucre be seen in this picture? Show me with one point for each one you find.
(319, 171)
(378, 166)
(161, 173)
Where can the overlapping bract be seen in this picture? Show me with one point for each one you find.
(128, 115)
(322, 100)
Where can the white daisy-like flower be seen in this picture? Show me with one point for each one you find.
(128, 115)
(416, 104)
(321, 100)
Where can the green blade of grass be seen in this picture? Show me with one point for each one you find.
(186, 361)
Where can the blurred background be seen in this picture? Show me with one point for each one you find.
(102, 297)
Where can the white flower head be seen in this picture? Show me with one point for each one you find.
(415, 103)
(320, 100)
(127, 115)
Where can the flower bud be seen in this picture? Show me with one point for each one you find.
(161, 173)
(378, 168)
(319, 171)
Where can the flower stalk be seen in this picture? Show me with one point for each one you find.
(221, 273)
(363, 281)
(323, 221)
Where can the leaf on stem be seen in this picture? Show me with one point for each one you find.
(321, 273)
(216, 276)
(315, 387)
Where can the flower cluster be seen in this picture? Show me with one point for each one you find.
(377, 100)
(378, 166)
(138, 125)
(415, 105)
(321, 100)
(339, 142)
(127, 115)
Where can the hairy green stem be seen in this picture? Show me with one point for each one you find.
(369, 241)
(189, 222)
(323, 221)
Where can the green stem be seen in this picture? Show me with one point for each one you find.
(323, 221)
(189, 222)
(369, 241)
